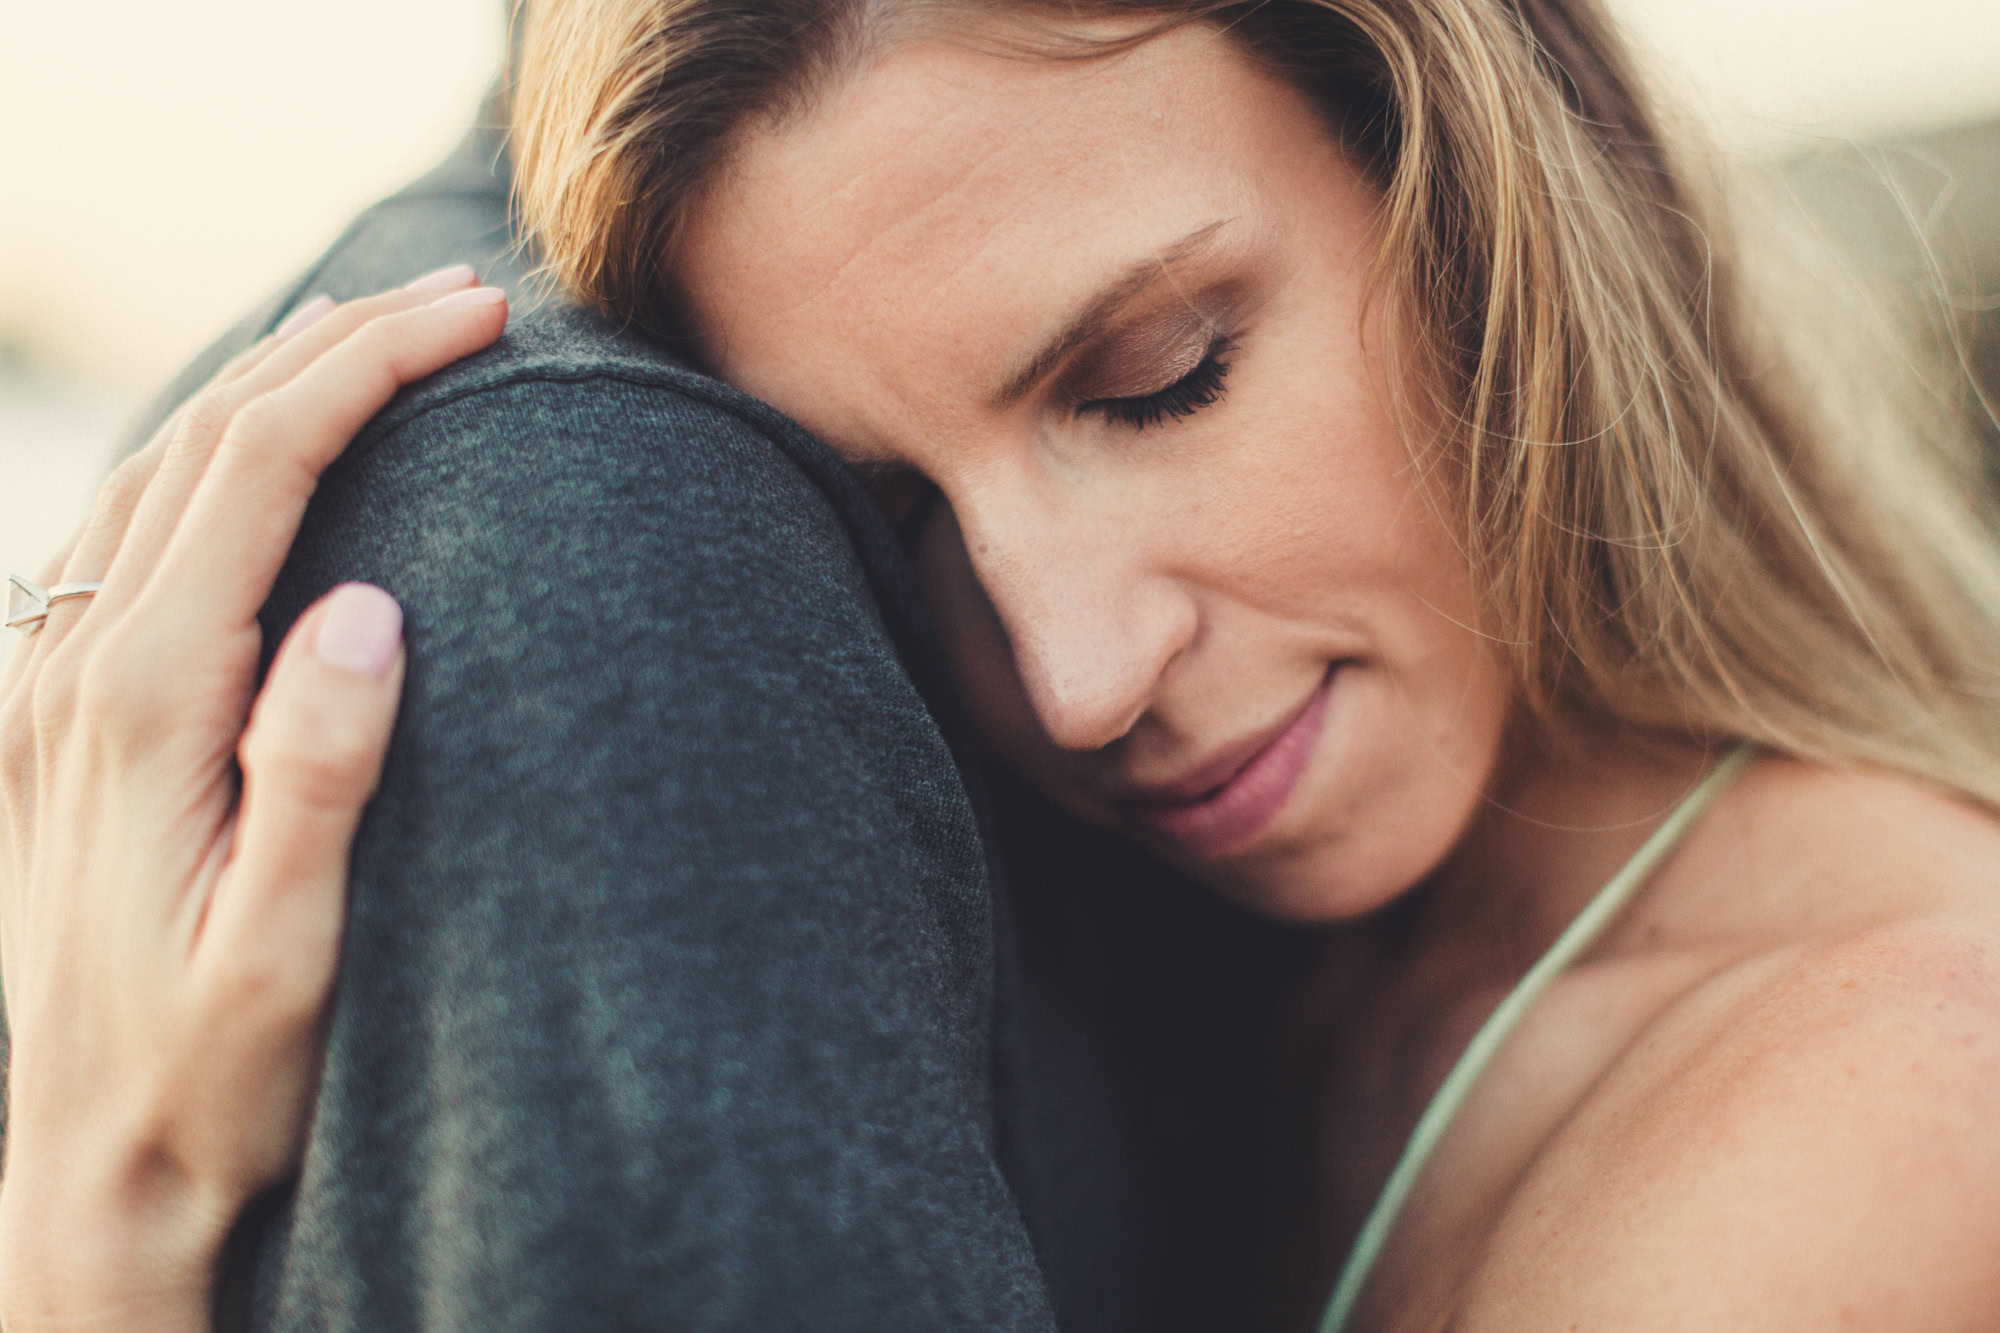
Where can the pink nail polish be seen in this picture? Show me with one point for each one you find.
(307, 315)
(360, 631)
(446, 279)
(478, 296)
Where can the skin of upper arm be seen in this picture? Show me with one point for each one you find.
(1818, 1153)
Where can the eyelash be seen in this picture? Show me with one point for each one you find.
(1183, 398)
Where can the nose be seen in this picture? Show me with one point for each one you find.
(1092, 619)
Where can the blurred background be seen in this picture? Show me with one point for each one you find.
(165, 166)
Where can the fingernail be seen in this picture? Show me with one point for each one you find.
(360, 630)
(447, 279)
(477, 296)
(307, 315)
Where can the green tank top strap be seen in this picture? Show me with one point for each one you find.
(1581, 933)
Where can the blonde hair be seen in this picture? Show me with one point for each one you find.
(1674, 522)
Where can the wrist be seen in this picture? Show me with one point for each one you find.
(105, 1246)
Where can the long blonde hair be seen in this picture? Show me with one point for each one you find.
(1685, 511)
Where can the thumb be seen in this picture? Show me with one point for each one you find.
(311, 758)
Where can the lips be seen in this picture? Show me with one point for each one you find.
(1225, 804)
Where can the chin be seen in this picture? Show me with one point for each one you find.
(1343, 880)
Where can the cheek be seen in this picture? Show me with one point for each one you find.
(1438, 699)
(1298, 499)
(1372, 570)
(1401, 777)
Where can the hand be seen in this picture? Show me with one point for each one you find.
(168, 942)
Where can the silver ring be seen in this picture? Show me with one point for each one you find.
(28, 602)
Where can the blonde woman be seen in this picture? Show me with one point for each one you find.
(1347, 460)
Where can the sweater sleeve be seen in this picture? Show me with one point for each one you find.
(668, 974)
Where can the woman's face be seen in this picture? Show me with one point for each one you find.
(1113, 310)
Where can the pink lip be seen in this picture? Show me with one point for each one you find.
(1219, 819)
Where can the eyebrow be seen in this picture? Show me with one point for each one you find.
(1100, 310)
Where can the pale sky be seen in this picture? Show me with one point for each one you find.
(165, 164)
(1771, 71)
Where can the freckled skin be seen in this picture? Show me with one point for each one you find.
(1123, 605)
(1692, 1128)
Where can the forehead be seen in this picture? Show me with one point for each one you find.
(930, 218)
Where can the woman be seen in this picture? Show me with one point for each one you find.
(1345, 459)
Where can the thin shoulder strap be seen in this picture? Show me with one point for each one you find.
(1451, 1094)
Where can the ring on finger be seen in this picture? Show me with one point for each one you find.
(28, 602)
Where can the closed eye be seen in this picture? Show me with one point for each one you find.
(1187, 395)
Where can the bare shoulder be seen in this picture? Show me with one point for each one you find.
(1808, 1138)
(1849, 846)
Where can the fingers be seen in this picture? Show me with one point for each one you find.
(240, 523)
(305, 317)
(244, 455)
(108, 514)
(230, 410)
(311, 759)
(17, 661)
(130, 725)
(89, 555)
